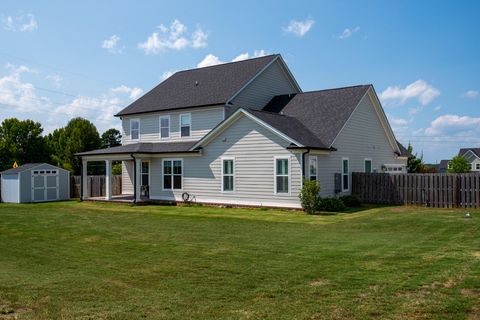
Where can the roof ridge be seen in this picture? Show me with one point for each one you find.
(229, 62)
(339, 88)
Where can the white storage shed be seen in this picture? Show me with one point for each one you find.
(35, 182)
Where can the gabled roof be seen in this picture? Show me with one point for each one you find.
(403, 151)
(206, 86)
(24, 167)
(323, 112)
(143, 147)
(463, 151)
(443, 165)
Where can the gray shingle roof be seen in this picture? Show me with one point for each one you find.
(143, 147)
(21, 168)
(443, 166)
(199, 87)
(476, 151)
(403, 151)
(323, 112)
(290, 127)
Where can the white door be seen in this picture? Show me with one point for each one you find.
(44, 185)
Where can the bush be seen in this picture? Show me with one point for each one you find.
(309, 197)
(352, 201)
(331, 205)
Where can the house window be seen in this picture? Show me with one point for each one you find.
(282, 175)
(145, 172)
(228, 172)
(478, 166)
(135, 129)
(449, 165)
(312, 168)
(345, 174)
(164, 127)
(368, 165)
(185, 125)
(172, 174)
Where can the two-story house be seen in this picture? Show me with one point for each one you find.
(244, 133)
(473, 157)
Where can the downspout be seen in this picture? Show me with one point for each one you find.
(134, 178)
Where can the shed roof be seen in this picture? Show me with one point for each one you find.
(23, 167)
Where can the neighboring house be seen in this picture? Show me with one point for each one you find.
(443, 166)
(473, 157)
(244, 133)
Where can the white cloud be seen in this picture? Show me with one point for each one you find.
(399, 122)
(55, 79)
(348, 32)
(111, 44)
(22, 23)
(134, 93)
(421, 90)
(451, 125)
(299, 28)
(174, 37)
(437, 108)
(211, 60)
(471, 94)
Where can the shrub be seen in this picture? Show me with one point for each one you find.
(331, 205)
(309, 197)
(352, 201)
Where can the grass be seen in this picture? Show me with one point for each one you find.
(73, 260)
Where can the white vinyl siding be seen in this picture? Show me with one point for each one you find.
(127, 177)
(203, 120)
(271, 82)
(253, 169)
(362, 137)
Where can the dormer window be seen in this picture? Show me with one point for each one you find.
(135, 129)
(185, 124)
(164, 127)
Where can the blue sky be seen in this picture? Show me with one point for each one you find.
(63, 59)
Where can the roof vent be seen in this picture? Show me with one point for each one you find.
(196, 83)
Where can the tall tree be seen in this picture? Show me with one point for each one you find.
(21, 141)
(458, 165)
(78, 135)
(111, 138)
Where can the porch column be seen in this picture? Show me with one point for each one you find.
(138, 179)
(108, 179)
(84, 180)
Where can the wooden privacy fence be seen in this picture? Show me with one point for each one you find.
(96, 186)
(434, 190)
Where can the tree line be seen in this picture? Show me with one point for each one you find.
(22, 141)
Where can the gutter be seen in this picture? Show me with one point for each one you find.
(303, 162)
(81, 180)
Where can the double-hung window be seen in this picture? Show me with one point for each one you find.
(172, 174)
(164, 127)
(345, 174)
(312, 168)
(228, 174)
(368, 166)
(185, 125)
(135, 129)
(282, 175)
(145, 172)
(478, 166)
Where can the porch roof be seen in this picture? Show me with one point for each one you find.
(143, 147)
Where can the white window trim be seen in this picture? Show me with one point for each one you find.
(160, 127)
(180, 124)
(149, 171)
(163, 173)
(364, 164)
(234, 173)
(309, 173)
(348, 174)
(139, 125)
(275, 158)
(477, 166)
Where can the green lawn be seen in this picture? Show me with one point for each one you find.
(74, 260)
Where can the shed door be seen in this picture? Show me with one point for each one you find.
(44, 185)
